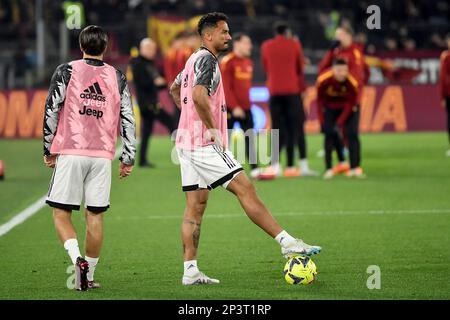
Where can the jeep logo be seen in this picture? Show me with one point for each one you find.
(91, 112)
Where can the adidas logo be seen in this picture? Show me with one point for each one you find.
(93, 92)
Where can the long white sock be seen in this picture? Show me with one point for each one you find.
(190, 267)
(304, 165)
(92, 264)
(285, 239)
(72, 249)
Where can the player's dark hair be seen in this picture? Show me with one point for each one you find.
(339, 62)
(239, 35)
(210, 20)
(93, 40)
(280, 27)
(447, 37)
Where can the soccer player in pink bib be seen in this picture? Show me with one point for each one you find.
(202, 148)
(88, 104)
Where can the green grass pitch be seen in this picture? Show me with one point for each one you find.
(397, 219)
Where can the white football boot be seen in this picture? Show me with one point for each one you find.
(198, 278)
(299, 248)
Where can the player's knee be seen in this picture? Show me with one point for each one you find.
(60, 214)
(247, 189)
(196, 209)
(200, 207)
(93, 225)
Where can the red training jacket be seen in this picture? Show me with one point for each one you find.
(336, 95)
(237, 75)
(283, 62)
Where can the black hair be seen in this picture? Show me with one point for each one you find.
(340, 62)
(239, 35)
(210, 20)
(280, 27)
(93, 40)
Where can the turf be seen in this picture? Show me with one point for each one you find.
(397, 219)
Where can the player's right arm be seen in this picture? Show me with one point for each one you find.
(53, 104)
(175, 89)
(321, 85)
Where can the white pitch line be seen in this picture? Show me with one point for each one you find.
(36, 206)
(40, 203)
(151, 216)
(22, 216)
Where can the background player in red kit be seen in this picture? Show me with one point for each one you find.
(344, 47)
(283, 61)
(444, 84)
(237, 76)
(337, 92)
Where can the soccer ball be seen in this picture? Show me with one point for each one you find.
(300, 270)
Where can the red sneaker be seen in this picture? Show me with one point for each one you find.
(341, 168)
(291, 172)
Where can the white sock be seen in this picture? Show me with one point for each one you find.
(92, 264)
(304, 165)
(285, 239)
(190, 267)
(72, 249)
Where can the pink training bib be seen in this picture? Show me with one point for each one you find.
(89, 120)
(191, 132)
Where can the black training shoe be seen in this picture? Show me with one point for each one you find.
(81, 271)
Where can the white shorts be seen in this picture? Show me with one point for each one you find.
(78, 177)
(207, 168)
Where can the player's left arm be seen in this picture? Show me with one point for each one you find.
(127, 128)
(443, 75)
(301, 58)
(203, 87)
(53, 105)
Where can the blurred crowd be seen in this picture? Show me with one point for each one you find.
(406, 24)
